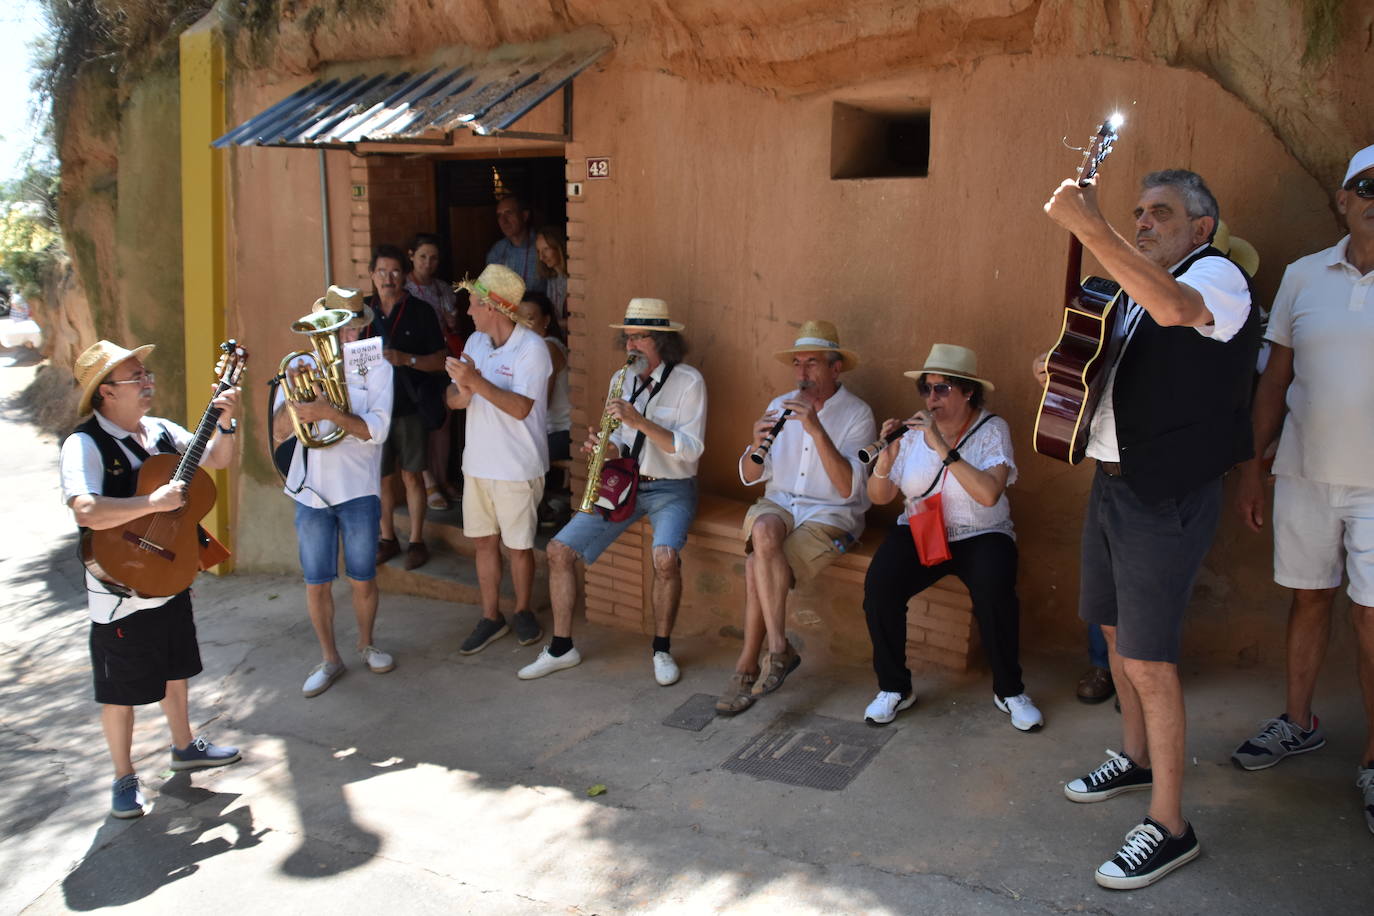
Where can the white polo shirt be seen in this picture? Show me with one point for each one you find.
(795, 475)
(500, 447)
(1324, 311)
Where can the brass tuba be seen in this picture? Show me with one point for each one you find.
(327, 371)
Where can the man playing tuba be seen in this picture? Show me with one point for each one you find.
(661, 412)
(336, 488)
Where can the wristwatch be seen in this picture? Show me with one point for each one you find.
(231, 429)
(952, 457)
(412, 362)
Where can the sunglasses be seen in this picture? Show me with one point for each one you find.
(637, 336)
(940, 388)
(142, 378)
(1363, 187)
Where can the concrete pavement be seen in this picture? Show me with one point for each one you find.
(448, 785)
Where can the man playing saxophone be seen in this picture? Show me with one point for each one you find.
(662, 415)
(336, 487)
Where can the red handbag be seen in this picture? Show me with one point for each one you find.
(927, 523)
(615, 497)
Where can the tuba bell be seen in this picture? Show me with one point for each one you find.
(326, 370)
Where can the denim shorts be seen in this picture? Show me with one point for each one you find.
(357, 521)
(1140, 561)
(670, 504)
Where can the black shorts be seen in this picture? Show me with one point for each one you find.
(133, 658)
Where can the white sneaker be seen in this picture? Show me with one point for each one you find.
(665, 669)
(377, 661)
(547, 664)
(320, 680)
(1024, 715)
(886, 705)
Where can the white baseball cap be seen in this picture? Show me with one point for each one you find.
(1362, 160)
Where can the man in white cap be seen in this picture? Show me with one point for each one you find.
(143, 650)
(502, 380)
(662, 416)
(813, 505)
(1322, 335)
(337, 490)
(1173, 418)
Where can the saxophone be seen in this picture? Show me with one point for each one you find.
(597, 459)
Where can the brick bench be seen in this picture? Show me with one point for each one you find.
(940, 625)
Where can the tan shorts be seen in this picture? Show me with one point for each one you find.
(506, 507)
(809, 548)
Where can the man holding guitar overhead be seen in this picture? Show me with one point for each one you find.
(142, 649)
(1173, 418)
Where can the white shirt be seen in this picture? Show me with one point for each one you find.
(680, 408)
(560, 406)
(83, 472)
(352, 467)
(917, 464)
(500, 447)
(796, 476)
(1227, 297)
(1324, 311)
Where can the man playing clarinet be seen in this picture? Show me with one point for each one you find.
(812, 510)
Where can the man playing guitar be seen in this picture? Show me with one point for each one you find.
(143, 650)
(1172, 420)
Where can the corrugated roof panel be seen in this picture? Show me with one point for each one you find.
(399, 106)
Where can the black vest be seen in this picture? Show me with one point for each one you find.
(1182, 402)
(121, 480)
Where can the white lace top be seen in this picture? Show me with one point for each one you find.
(917, 465)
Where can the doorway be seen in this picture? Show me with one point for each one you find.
(466, 191)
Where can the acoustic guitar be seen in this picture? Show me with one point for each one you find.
(1088, 338)
(158, 555)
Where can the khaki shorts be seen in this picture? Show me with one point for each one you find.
(506, 507)
(809, 548)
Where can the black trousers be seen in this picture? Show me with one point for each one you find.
(986, 564)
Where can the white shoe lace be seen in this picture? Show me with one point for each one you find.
(1364, 781)
(887, 699)
(1115, 765)
(1282, 729)
(1141, 843)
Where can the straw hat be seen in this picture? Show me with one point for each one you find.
(96, 362)
(648, 315)
(949, 359)
(1241, 252)
(344, 297)
(819, 337)
(499, 287)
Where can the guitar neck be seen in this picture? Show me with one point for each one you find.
(190, 461)
(1073, 277)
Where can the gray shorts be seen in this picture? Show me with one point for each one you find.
(1140, 561)
(406, 447)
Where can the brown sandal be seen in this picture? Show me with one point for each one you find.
(776, 667)
(736, 698)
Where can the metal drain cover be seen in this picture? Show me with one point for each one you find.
(694, 714)
(816, 752)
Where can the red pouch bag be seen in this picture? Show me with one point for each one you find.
(927, 523)
(615, 497)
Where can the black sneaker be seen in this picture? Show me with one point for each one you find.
(1150, 853)
(527, 628)
(484, 634)
(1118, 774)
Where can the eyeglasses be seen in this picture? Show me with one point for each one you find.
(1363, 187)
(141, 378)
(940, 388)
(637, 336)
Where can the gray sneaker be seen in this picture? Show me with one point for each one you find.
(484, 634)
(527, 628)
(1278, 738)
(1364, 781)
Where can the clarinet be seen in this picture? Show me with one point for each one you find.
(870, 452)
(757, 454)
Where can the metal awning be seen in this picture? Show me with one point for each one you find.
(424, 105)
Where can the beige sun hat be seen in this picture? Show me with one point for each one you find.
(951, 359)
(345, 297)
(501, 288)
(648, 315)
(819, 337)
(1241, 252)
(96, 362)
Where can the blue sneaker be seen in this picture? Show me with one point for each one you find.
(126, 798)
(201, 753)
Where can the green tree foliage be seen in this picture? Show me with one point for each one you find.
(29, 239)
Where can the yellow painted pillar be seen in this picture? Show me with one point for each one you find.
(203, 233)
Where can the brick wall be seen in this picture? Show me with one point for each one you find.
(397, 201)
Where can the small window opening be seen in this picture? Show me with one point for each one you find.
(879, 142)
